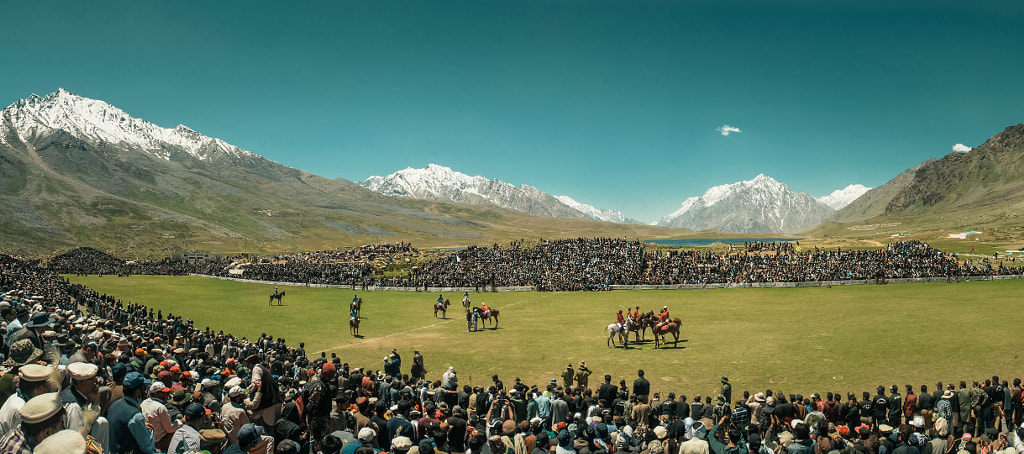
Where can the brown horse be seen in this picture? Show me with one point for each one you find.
(353, 325)
(443, 308)
(275, 296)
(487, 315)
(646, 321)
(672, 326)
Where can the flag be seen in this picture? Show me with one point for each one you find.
(972, 248)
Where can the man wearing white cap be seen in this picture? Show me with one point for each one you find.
(41, 417)
(33, 381)
(82, 404)
(233, 415)
(157, 415)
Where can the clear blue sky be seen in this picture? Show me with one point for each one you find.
(615, 103)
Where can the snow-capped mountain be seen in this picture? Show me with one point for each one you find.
(840, 198)
(599, 214)
(761, 205)
(436, 182)
(100, 122)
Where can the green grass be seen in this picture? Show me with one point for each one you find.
(795, 340)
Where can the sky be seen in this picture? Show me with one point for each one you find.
(633, 105)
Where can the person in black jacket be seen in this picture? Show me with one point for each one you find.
(607, 392)
(641, 387)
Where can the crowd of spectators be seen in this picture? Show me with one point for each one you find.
(126, 380)
(569, 265)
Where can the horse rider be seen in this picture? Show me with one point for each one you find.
(465, 299)
(619, 318)
(355, 299)
(440, 299)
(487, 309)
(636, 314)
(663, 318)
(275, 289)
(353, 315)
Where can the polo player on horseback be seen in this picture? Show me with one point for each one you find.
(663, 318)
(487, 309)
(619, 318)
(636, 314)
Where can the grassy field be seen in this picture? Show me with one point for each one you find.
(795, 340)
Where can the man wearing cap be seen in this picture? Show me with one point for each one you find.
(583, 375)
(41, 417)
(248, 438)
(81, 403)
(365, 436)
(155, 411)
(233, 415)
(63, 442)
(187, 437)
(33, 381)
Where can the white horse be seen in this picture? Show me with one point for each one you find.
(620, 328)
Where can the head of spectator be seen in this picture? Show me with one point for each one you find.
(66, 441)
(42, 416)
(84, 382)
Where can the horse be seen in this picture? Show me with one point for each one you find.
(672, 326)
(443, 307)
(486, 315)
(647, 320)
(465, 302)
(353, 325)
(622, 329)
(275, 296)
(356, 305)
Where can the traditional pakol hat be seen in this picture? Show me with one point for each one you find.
(40, 408)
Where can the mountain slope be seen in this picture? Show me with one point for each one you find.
(873, 203)
(761, 205)
(79, 172)
(990, 173)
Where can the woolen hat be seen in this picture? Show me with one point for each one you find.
(35, 372)
(40, 408)
(83, 371)
(66, 441)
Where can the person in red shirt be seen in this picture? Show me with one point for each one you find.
(664, 316)
(619, 318)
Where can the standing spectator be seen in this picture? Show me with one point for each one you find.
(641, 386)
(129, 431)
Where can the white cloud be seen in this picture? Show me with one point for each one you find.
(961, 148)
(726, 129)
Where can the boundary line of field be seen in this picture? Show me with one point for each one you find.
(631, 287)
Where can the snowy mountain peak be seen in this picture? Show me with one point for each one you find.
(437, 182)
(97, 121)
(843, 197)
(761, 205)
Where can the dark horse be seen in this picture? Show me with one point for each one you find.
(647, 320)
(487, 315)
(356, 305)
(443, 308)
(353, 325)
(275, 296)
(672, 326)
